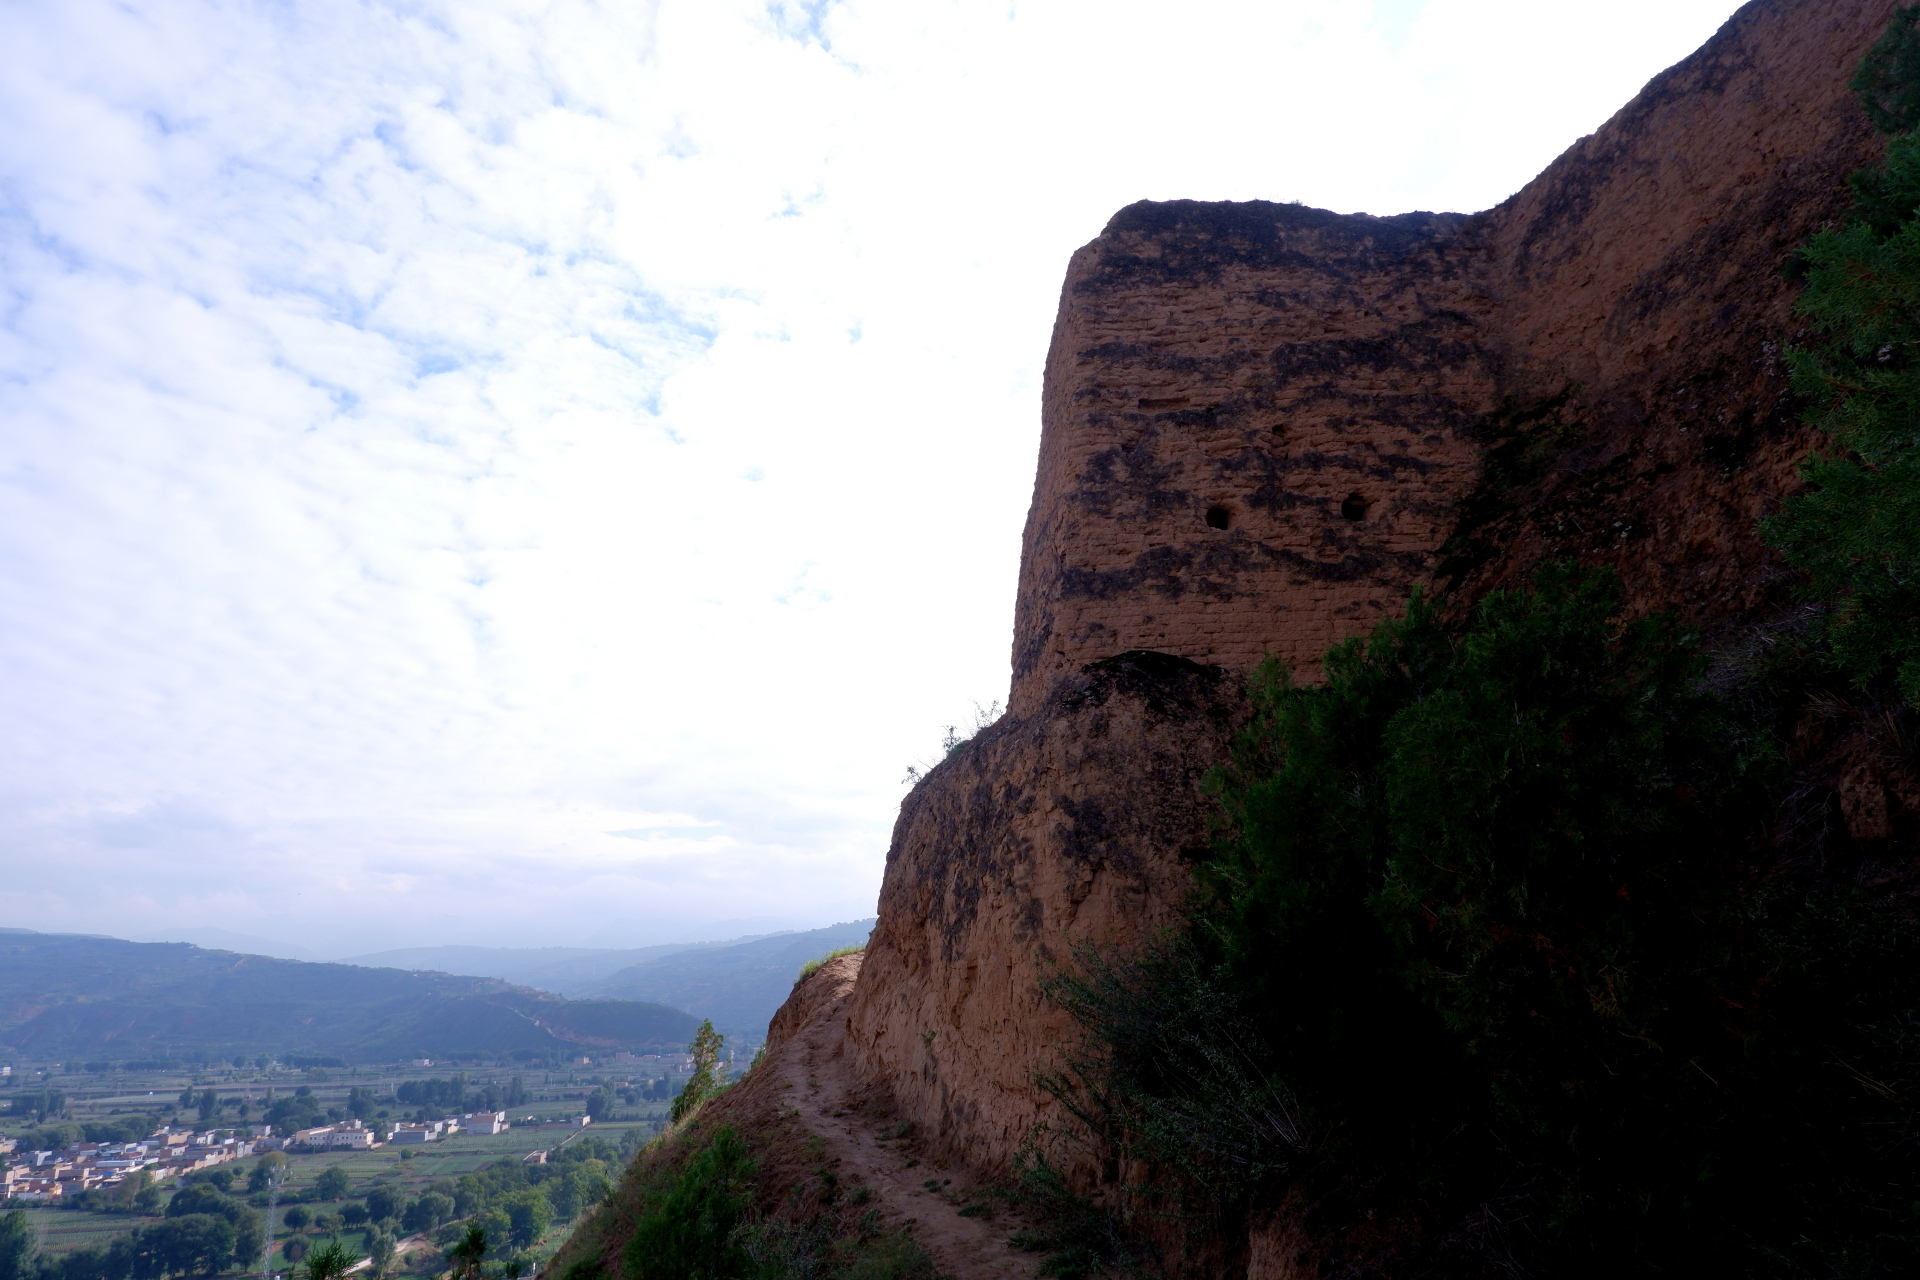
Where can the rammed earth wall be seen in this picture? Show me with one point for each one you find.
(1262, 424)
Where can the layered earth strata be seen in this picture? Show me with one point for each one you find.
(1263, 425)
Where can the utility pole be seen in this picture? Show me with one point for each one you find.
(273, 1199)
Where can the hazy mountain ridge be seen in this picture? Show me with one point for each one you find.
(561, 970)
(739, 987)
(70, 995)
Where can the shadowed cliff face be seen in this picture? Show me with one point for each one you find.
(1263, 425)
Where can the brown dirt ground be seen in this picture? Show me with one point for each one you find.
(821, 1138)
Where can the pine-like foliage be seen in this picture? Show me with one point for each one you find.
(709, 1074)
(1477, 935)
(1888, 78)
(1855, 532)
(690, 1232)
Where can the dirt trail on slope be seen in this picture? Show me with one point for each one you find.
(815, 1086)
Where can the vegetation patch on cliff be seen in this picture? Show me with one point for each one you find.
(1481, 936)
(1855, 532)
(1517, 931)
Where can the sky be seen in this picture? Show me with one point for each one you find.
(538, 474)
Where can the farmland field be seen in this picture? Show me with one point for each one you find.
(60, 1230)
(448, 1158)
(549, 1093)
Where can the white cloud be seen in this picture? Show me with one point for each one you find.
(548, 467)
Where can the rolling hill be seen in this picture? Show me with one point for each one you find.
(738, 984)
(739, 987)
(561, 970)
(69, 995)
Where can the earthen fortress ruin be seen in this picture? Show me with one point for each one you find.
(1262, 425)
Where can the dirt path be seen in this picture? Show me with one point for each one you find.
(821, 1091)
(401, 1249)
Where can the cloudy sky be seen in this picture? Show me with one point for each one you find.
(537, 473)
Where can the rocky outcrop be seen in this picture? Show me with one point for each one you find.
(1074, 823)
(1257, 418)
(1264, 424)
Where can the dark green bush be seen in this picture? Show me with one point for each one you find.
(1855, 532)
(1888, 78)
(1475, 935)
(688, 1233)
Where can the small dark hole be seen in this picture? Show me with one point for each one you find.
(1355, 507)
(1219, 517)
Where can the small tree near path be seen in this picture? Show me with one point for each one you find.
(465, 1256)
(709, 1075)
(330, 1261)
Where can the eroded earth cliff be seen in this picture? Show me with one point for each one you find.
(1264, 425)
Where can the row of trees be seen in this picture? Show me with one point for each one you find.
(442, 1097)
(38, 1105)
(204, 1232)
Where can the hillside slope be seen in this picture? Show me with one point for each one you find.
(65, 995)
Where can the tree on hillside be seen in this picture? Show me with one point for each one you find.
(708, 1076)
(529, 1215)
(381, 1251)
(203, 1199)
(209, 1106)
(427, 1212)
(332, 1184)
(330, 1261)
(466, 1255)
(383, 1203)
(600, 1103)
(197, 1242)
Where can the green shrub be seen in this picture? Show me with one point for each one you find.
(1075, 1238)
(1474, 933)
(1855, 532)
(709, 1074)
(895, 1256)
(688, 1233)
(1888, 78)
(812, 967)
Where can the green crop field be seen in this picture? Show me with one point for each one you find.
(62, 1230)
(447, 1158)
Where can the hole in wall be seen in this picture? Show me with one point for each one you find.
(1171, 402)
(1355, 507)
(1219, 517)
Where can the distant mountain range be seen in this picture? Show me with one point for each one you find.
(561, 970)
(69, 995)
(738, 984)
(74, 995)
